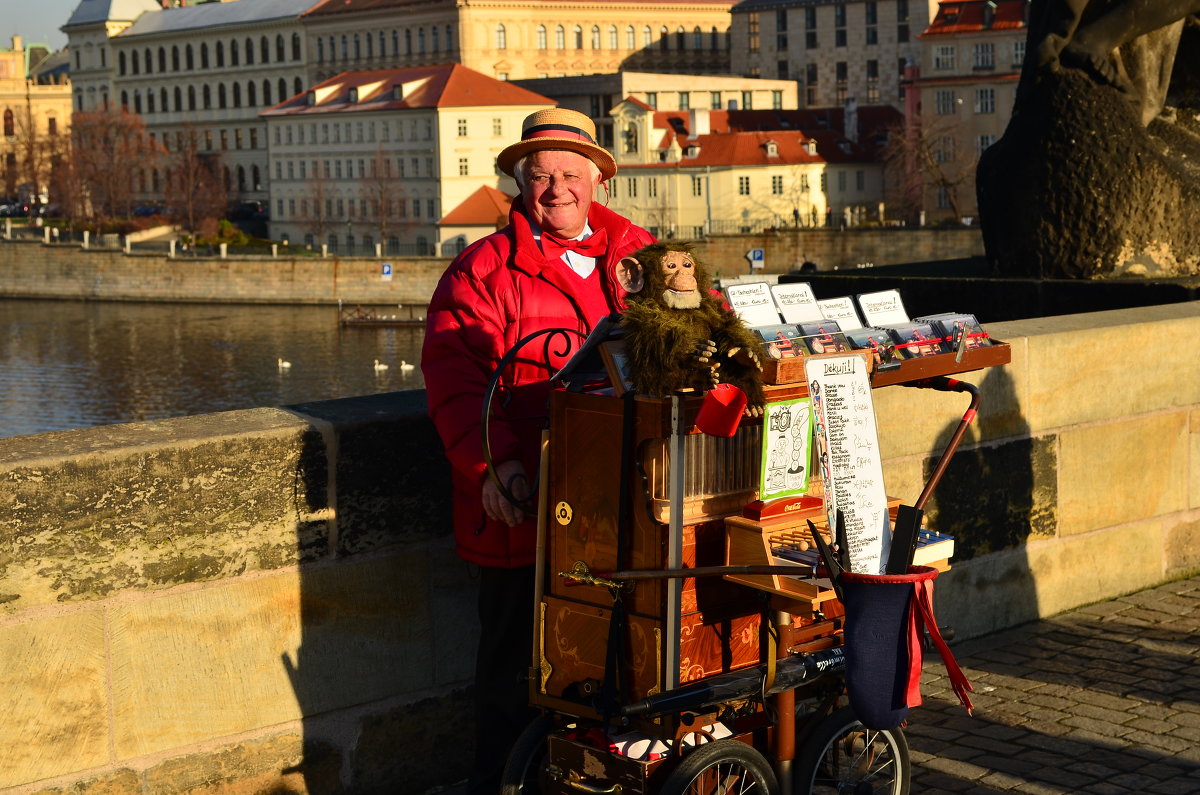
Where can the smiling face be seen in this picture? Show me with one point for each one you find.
(557, 188)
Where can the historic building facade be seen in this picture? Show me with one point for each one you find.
(34, 116)
(89, 31)
(380, 156)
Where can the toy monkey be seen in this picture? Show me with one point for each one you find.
(678, 334)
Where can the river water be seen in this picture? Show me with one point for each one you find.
(71, 364)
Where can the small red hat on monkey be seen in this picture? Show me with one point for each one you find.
(678, 333)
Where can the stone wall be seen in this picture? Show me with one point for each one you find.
(268, 600)
(30, 269)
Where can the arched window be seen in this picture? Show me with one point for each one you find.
(420, 41)
(137, 101)
(178, 98)
(295, 46)
(256, 178)
(395, 42)
(191, 97)
(663, 36)
(560, 38)
(125, 99)
(320, 50)
(10, 128)
(203, 55)
(264, 50)
(219, 51)
(501, 38)
(206, 96)
(249, 52)
(188, 58)
(298, 87)
(595, 37)
(332, 49)
(345, 48)
(578, 37)
(433, 32)
(647, 37)
(697, 39)
(450, 38)
(408, 47)
(680, 39)
(283, 94)
(174, 59)
(357, 47)
(149, 62)
(370, 40)
(280, 52)
(121, 63)
(266, 92)
(382, 45)
(241, 176)
(612, 37)
(630, 38)
(150, 101)
(233, 53)
(162, 59)
(134, 61)
(541, 37)
(237, 95)
(162, 100)
(714, 43)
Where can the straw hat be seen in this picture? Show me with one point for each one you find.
(558, 128)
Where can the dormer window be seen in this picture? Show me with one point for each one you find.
(398, 92)
(353, 95)
(810, 147)
(311, 98)
(693, 151)
(772, 149)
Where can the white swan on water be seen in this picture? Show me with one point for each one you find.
(284, 364)
(405, 366)
(380, 366)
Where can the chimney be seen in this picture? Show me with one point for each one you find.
(18, 44)
(698, 122)
(850, 120)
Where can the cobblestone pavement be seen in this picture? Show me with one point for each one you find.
(1102, 699)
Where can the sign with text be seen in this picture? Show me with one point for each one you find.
(796, 302)
(883, 308)
(753, 303)
(842, 310)
(385, 271)
(757, 257)
(848, 451)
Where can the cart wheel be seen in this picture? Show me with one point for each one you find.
(527, 759)
(724, 766)
(843, 756)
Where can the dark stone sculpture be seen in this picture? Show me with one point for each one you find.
(1096, 174)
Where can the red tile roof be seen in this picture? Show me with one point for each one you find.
(968, 16)
(485, 207)
(444, 85)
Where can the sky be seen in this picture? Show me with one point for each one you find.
(36, 21)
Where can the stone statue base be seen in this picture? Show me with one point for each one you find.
(1078, 188)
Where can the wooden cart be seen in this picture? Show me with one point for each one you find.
(665, 660)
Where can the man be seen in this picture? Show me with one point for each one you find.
(553, 266)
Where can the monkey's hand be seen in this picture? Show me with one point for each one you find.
(746, 357)
(754, 410)
(705, 354)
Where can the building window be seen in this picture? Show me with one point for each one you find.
(613, 41)
(462, 128)
(577, 36)
(747, 100)
(810, 27)
(944, 151)
(647, 37)
(652, 187)
(652, 99)
(743, 186)
(985, 55)
(560, 38)
(985, 100)
(839, 25)
(541, 37)
(841, 87)
(752, 31)
(781, 69)
(463, 171)
(685, 100)
(1018, 54)
(860, 180)
(714, 100)
(983, 142)
(943, 57)
(595, 37)
(944, 102)
(663, 38)
(811, 94)
(631, 183)
(501, 38)
(697, 186)
(777, 185)
(943, 199)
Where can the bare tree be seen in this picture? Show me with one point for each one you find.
(194, 190)
(103, 145)
(319, 219)
(385, 196)
(929, 153)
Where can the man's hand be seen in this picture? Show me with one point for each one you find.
(513, 476)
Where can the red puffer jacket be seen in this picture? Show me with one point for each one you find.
(496, 292)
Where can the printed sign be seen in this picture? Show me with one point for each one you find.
(757, 257)
(385, 271)
(753, 303)
(796, 302)
(842, 310)
(848, 455)
(787, 433)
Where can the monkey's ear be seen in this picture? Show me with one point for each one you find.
(629, 275)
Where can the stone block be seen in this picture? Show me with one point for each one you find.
(1181, 550)
(196, 665)
(116, 782)
(149, 505)
(1122, 471)
(1093, 367)
(440, 729)
(980, 596)
(282, 763)
(55, 716)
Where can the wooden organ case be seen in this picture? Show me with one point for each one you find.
(610, 467)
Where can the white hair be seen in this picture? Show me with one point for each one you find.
(519, 168)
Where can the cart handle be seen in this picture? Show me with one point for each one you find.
(572, 781)
(946, 384)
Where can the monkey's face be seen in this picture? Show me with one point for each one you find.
(681, 291)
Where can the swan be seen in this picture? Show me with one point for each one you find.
(380, 366)
(284, 364)
(405, 366)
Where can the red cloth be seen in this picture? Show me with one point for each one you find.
(594, 245)
(499, 290)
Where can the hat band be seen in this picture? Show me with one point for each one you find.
(556, 131)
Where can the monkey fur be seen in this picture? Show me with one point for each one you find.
(677, 332)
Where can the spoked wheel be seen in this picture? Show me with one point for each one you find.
(724, 767)
(843, 757)
(527, 760)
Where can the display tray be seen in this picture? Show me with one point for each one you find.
(791, 371)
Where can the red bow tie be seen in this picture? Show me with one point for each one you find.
(593, 246)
